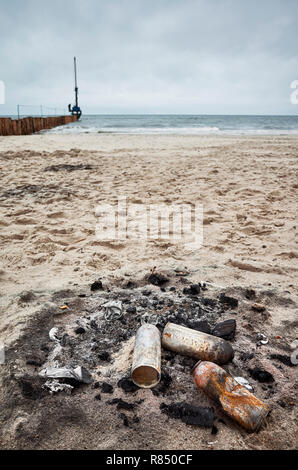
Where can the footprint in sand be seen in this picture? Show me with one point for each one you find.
(38, 259)
(288, 255)
(249, 230)
(4, 224)
(22, 212)
(16, 236)
(61, 231)
(49, 242)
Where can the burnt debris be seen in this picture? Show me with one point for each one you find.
(228, 302)
(164, 384)
(93, 339)
(127, 385)
(107, 388)
(68, 167)
(80, 331)
(97, 285)
(194, 289)
(261, 375)
(286, 360)
(225, 329)
(158, 279)
(122, 405)
(189, 414)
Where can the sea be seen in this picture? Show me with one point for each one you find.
(181, 124)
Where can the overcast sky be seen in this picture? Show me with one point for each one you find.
(151, 56)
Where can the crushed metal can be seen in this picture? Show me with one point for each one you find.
(196, 344)
(146, 367)
(80, 374)
(236, 401)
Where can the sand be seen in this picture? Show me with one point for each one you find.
(247, 186)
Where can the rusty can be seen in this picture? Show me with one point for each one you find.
(240, 404)
(147, 357)
(196, 344)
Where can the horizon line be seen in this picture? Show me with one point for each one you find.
(182, 114)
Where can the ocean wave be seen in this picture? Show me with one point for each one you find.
(131, 130)
(181, 125)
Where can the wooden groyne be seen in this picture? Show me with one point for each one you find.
(30, 125)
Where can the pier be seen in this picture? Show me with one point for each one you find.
(33, 124)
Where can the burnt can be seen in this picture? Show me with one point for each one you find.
(196, 344)
(235, 400)
(146, 367)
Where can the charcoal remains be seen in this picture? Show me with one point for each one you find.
(261, 375)
(225, 329)
(127, 385)
(106, 388)
(158, 279)
(97, 285)
(286, 360)
(228, 302)
(189, 414)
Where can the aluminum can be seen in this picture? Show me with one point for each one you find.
(236, 400)
(146, 367)
(196, 344)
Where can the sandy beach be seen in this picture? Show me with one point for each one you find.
(248, 188)
(50, 187)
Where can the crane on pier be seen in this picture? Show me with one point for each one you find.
(75, 110)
